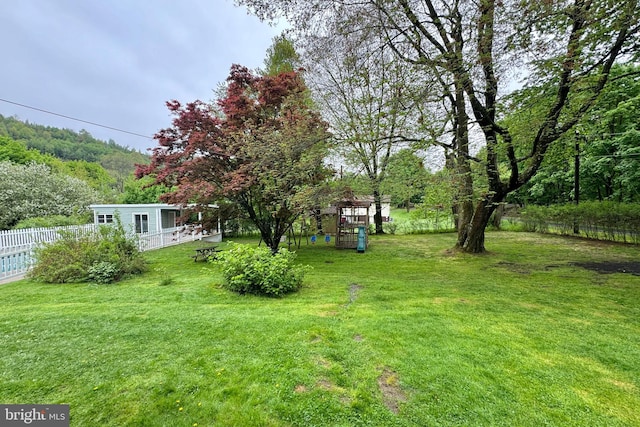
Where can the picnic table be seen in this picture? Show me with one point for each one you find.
(203, 254)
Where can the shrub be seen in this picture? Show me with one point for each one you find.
(103, 272)
(596, 220)
(103, 257)
(54, 221)
(390, 227)
(62, 261)
(255, 270)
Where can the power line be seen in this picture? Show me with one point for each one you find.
(76, 119)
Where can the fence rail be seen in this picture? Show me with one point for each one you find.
(15, 261)
(10, 239)
(16, 252)
(167, 237)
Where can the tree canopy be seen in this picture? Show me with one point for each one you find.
(261, 146)
(472, 49)
(406, 178)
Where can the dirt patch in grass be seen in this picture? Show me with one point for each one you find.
(354, 289)
(514, 267)
(392, 394)
(630, 267)
(606, 267)
(325, 384)
(324, 363)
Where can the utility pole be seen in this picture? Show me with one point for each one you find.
(576, 180)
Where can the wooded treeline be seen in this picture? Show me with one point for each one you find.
(55, 173)
(64, 144)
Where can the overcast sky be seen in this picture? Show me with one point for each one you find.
(117, 62)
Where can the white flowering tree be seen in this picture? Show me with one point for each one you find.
(33, 190)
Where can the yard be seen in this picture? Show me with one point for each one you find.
(406, 334)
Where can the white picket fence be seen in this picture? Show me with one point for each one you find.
(30, 236)
(17, 246)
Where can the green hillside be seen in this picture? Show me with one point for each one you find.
(64, 144)
(105, 168)
(104, 165)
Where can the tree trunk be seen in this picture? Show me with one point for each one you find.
(474, 236)
(377, 217)
(462, 165)
(497, 216)
(318, 217)
(270, 240)
(450, 165)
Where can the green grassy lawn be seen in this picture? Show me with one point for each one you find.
(406, 334)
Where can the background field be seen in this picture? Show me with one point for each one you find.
(406, 334)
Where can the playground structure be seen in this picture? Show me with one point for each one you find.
(351, 217)
(351, 221)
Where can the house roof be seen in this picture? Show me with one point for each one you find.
(354, 203)
(145, 206)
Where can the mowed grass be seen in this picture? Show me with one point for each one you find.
(406, 334)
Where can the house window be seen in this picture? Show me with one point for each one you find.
(105, 219)
(169, 219)
(142, 223)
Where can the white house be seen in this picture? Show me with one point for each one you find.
(145, 218)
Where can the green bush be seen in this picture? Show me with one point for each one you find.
(103, 257)
(54, 221)
(390, 227)
(595, 220)
(62, 261)
(255, 270)
(103, 272)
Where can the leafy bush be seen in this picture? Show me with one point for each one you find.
(103, 272)
(62, 261)
(255, 270)
(103, 257)
(390, 227)
(54, 221)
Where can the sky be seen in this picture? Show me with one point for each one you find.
(116, 62)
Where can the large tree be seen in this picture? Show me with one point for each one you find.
(369, 98)
(607, 140)
(261, 146)
(470, 46)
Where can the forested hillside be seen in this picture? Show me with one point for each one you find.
(64, 144)
(72, 160)
(82, 155)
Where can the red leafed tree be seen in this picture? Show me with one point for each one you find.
(262, 147)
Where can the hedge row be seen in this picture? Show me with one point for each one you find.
(618, 222)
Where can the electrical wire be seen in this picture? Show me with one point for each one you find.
(76, 119)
